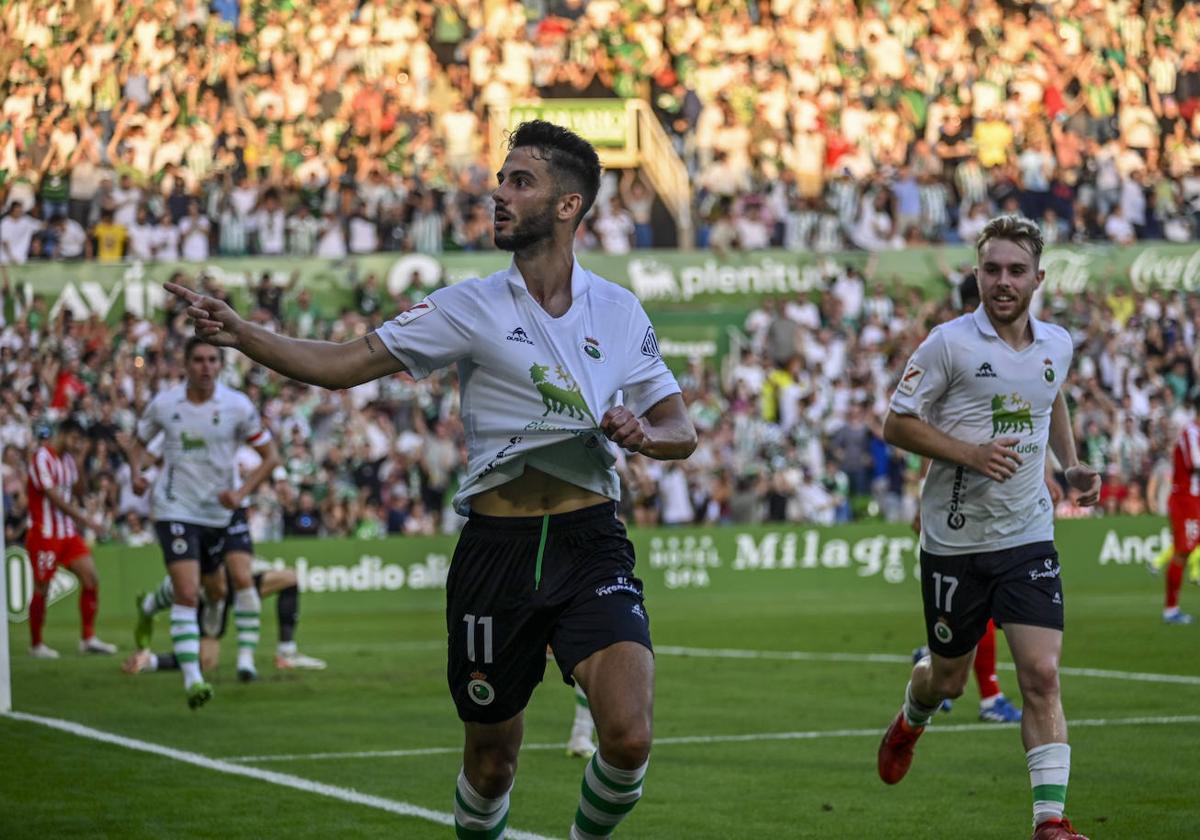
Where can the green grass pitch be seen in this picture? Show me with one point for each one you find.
(385, 690)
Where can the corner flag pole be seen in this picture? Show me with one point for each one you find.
(5, 674)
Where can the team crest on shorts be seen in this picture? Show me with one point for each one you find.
(480, 689)
(179, 546)
(942, 631)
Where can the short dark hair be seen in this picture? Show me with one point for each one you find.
(196, 341)
(573, 160)
(69, 425)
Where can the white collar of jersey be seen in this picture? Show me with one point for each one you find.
(984, 323)
(580, 280)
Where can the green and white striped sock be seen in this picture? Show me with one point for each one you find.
(185, 636)
(608, 795)
(160, 599)
(247, 610)
(1049, 770)
(475, 816)
(915, 712)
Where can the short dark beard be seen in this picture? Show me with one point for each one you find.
(535, 229)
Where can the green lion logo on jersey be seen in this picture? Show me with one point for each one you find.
(1011, 413)
(558, 399)
(191, 444)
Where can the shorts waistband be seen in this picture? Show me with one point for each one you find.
(533, 524)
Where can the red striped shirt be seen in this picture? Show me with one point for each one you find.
(1186, 479)
(47, 469)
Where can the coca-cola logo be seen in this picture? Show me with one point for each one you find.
(1155, 269)
(1066, 271)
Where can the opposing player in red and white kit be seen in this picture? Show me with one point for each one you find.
(54, 539)
(1183, 508)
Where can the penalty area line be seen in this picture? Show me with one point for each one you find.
(393, 806)
(810, 735)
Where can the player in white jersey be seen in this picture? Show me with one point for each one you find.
(981, 398)
(556, 365)
(197, 499)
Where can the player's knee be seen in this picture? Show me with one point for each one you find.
(626, 745)
(1039, 681)
(187, 595)
(491, 769)
(950, 685)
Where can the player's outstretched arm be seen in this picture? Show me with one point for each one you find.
(997, 460)
(326, 363)
(664, 432)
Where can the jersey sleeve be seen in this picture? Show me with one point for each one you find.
(649, 379)
(925, 377)
(148, 424)
(436, 332)
(41, 472)
(252, 430)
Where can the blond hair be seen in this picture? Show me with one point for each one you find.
(1014, 228)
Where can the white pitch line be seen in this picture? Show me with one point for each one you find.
(810, 735)
(807, 656)
(393, 806)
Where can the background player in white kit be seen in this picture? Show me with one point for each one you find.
(981, 397)
(196, 496)
(555, 365)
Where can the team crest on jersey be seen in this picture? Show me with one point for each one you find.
(1011, 413)
(591, 349)
(1048, 371)
(413, 313)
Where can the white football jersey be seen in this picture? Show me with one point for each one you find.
(199, 449)
(968, 382)
(534, 387)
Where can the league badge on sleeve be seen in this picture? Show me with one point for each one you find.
(912, 377)
(423, 308)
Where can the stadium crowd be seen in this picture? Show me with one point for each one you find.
(789, 427)
(155, 130)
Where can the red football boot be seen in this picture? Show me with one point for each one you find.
(896, 750)
(1056, 830)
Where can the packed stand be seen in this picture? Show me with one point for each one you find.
(165, 131)
(790, 426)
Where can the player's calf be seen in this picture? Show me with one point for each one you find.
(481, 796)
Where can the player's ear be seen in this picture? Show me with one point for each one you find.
(568, 206)
(1041, 275)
